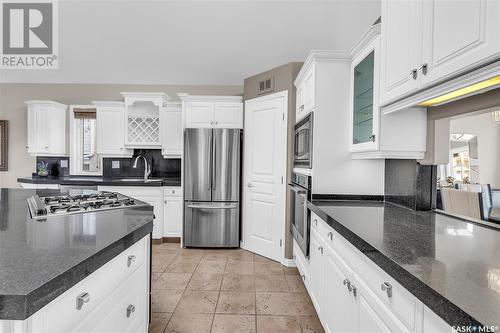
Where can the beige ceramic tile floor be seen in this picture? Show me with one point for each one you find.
(226, 291)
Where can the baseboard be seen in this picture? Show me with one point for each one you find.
(171, 239)
(156, 241)
(288, 262)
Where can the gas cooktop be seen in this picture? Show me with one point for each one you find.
(43, 207)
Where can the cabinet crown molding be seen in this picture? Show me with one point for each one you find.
(108, 103)
(365, 39)
(45, 102)
(211, 98)
(157, 98)
(321, 56)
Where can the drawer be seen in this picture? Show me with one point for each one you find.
(172, 191)
(112, 314)
(98, 286)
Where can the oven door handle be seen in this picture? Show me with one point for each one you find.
(297, 189)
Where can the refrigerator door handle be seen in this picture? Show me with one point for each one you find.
(211, 138)
(233, 206)
(214, 158)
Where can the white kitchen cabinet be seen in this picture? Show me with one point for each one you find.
(457, 36)
(428, 42)
(374, 135)
(171, 130)
(153, 195)
(46, 128)
(213, 111)
(316, 252)
(338, 298)
(305, 96)
(142, 119)
(345, 288)
(111, 129)
(172, 212)
(228, 115)
(119, 284)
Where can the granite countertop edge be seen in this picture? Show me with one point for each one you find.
(97, 181)
(442, 306)
(21, 307)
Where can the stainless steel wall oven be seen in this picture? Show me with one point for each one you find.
(300, 216)
(303, 142)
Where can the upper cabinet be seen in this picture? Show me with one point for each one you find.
(364, 93)
(142, 119)
(47, 127)
(213, 111)
(305, 97)
(171, 130)
(427, 42)
(111, 129)
(372, 133)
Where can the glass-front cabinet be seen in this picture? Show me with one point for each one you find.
(364, 97)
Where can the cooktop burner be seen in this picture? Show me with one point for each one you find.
(42, 207)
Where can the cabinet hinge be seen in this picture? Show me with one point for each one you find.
(281, 242)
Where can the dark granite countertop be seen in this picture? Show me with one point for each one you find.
(99, 181)
(451, 265)
(41, 260)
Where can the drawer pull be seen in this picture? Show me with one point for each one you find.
(347, 283)
(386, 286)
(82, 299)
(130, 260)
(320, 249)
(330, 235)
(303, 277)
(130, 310)
(315, 222)
(354, 290)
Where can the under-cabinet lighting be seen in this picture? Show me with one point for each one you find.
(494, 81)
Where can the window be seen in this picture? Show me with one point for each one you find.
(84, 159)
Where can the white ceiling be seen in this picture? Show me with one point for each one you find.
(194, 42)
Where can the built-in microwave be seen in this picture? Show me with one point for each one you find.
(303, 142)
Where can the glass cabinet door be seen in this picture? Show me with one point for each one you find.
(363, 101)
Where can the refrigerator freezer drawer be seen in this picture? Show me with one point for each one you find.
(211, 224)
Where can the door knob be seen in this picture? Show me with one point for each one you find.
(249, 185)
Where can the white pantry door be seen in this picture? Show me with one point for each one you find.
(264, 166)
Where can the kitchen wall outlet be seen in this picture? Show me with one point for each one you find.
(64, 163)
(115, 164)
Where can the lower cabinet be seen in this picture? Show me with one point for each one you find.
(166, 202)
(346, 289)
(172, 214)
(115, 298)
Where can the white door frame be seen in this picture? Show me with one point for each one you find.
(284, 95)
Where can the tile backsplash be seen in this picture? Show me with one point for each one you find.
(58, 166)
(410, 184)
(160, 167)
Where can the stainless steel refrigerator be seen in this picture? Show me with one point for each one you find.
(211, 187)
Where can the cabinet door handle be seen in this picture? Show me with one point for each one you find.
(130, 260)
(303, 277)
(372, 138)
(315, 222)
(424, 68)
(130, 310)
(330, 235)
(387, 287)
(82, 299)
(320, 249)
(414, 73)
(347, 283)
(354, 290)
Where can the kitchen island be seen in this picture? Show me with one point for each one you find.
(450, 265)
(73, 272)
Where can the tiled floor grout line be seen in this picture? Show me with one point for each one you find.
(218, 296)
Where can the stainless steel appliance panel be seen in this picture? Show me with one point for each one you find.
(300, 217)
(226, 165)
(211, 224)
(303, 142)
(198, 164)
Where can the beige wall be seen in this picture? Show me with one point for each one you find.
(13, 109)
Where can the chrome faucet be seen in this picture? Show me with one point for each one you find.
(147, 167)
